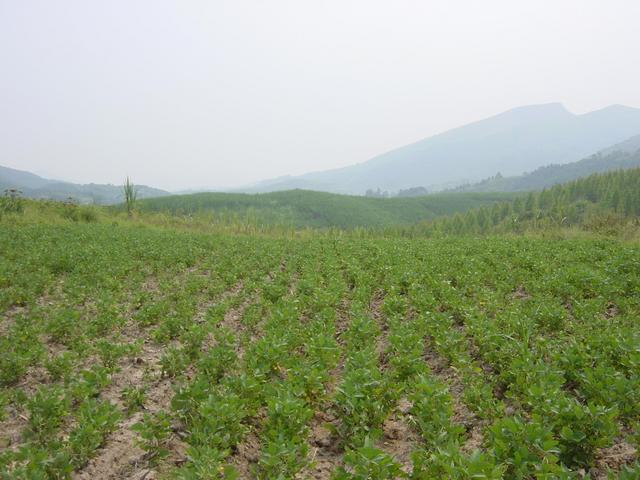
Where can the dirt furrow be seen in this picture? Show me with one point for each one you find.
(247, 453)
(399, 439)
(461, 413)
(120, 457)
(325, 454)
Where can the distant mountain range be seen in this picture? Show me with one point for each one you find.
(512, 142)
(546, 140)
(34, 186)
(624, 155)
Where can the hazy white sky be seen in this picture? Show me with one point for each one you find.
(183, 94)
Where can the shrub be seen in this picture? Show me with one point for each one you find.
(11, 202)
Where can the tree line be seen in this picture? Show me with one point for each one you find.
(598, 202)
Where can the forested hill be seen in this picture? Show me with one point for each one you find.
(544, 177)
(304, 208)
(603, 202)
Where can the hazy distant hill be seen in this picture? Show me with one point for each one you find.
(621, 156)
(512, 142)
(630, 145)
(33, 186)
(303, 208)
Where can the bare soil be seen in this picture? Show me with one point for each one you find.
(399, 439)
(614, 458)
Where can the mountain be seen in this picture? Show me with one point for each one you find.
(631, 145)
(303, 208)
(33, 186)
(512, 142)
(618, 157)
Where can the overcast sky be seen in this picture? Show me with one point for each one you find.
(185, 94)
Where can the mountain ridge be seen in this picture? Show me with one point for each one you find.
(621, 156)
(513, 142)
(35, 186)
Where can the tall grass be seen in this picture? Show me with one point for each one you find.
(130, 195)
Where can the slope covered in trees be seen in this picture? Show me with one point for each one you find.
(600, 202)
(303, 208)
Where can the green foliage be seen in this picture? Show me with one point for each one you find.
(527, 448)
(432, 411)
(604, 203)
(362, 402)
(130, 195)
(133, 398)
(47, 409)
(205, 462)
(109, 353)
(95, 420)
(11, 203)
(61, 367)
(449, 462)
(305, 209)
(285, 436)
(154, 431)
(368, 462)
(173, 362)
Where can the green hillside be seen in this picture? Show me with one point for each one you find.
(303, 208)
(605, 202)
(544, 177)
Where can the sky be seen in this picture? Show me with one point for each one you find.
(191, 94)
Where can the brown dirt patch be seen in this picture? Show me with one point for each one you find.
(611, 310)
(613, 458)
(11, 428)
(325, 452)
(520, 293)
(246, 455)
(399, 439)
(120, 457)
(341, 326)
(203, 307)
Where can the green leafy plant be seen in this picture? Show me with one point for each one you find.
(431, 413)
(47, 410)
(130, 195)
(95, 420)
(368, 462)
(11, 202)
(154, 431)
(133, 398)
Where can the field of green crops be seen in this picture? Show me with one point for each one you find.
(132, 352)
